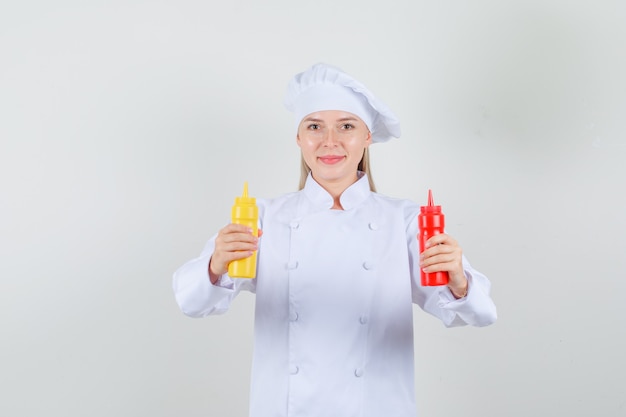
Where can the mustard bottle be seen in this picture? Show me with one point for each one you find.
(246, 212)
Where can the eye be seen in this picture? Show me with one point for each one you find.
(313, 126)
(347, 126)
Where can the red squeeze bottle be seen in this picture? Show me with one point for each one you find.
(431, 222)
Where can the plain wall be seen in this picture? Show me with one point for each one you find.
(128, 127)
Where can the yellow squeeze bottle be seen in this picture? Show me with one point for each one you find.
(246, 212)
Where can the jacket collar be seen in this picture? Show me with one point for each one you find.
(353, 196)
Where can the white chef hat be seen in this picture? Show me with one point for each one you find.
(324, 87)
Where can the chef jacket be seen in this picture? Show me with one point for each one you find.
(333, 331)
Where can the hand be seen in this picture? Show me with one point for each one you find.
(233, 242)
(443, 253)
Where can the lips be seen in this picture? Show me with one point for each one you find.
(331, 159)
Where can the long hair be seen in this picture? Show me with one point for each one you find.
(364, 166)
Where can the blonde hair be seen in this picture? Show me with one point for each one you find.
(364, 166)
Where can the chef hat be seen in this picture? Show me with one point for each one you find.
(324, 87)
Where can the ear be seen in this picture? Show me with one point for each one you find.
(298, 140)
(368, 140)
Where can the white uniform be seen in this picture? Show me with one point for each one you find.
(333, 324)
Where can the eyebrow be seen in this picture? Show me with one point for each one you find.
(343, 119)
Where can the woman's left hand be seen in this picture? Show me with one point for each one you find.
(443, 253)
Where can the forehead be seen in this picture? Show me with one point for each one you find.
(331, 116)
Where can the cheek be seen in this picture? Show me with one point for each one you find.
(307, 149)
(358, 145)
(307, 143)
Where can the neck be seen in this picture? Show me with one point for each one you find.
(336, 189)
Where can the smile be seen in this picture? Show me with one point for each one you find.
(331, 159)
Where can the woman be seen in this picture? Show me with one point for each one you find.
(338, 269)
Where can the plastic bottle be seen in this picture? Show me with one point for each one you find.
(431, 222)
(246, 212)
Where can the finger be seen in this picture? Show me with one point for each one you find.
(236, 241)
(237, 246)
(441, 263)
(237, 237)
(438, 250)
(236, 232)
(224, 250)
(236, 255)
(446, 258)
(236, 228)
(446, 267)
(441, 239)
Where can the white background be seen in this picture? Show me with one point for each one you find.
(128, 127)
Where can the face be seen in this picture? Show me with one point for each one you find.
(332, 144)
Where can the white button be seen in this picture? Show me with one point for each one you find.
(294, 370)
(373, 226)
(292, 265)
(293, 316)
(358, 372)
(363, 319)
(368, 265)
(294, 224)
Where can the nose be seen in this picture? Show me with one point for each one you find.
(330, 139)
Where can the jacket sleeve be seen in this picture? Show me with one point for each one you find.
(195, 294)
(476, 308)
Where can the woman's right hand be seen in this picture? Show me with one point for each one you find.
(233, 242)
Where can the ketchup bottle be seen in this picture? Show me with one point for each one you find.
(246, 212)
(431, 222)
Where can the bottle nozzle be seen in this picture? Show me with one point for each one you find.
(430, 207)
(244, 198)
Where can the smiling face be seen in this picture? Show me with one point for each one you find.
(332, 144)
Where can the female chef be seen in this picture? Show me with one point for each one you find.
(338, 270)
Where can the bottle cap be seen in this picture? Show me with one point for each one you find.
(244, 199)
(431, 207)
